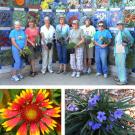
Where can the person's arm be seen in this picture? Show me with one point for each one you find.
(82, 39)
(14, 44)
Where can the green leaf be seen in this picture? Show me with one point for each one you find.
(1, 95)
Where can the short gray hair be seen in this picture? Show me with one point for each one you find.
(17, 23)
(46, 18)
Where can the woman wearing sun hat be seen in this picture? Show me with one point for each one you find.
(76, 36)
(18, 40)
(123, 41)
(62, 31)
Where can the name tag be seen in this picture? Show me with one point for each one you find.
(120, 49)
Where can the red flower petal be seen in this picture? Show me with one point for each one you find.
(42, 94)
(46, 104)
(43, 128)
(10, 124)
(34, 130)
(52, 112)
(7, 113)
(22, 130)
(49, 122)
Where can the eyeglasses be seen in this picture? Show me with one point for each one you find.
(100, 25)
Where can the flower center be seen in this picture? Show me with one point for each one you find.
(31, 113)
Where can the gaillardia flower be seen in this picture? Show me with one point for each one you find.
(31, 113)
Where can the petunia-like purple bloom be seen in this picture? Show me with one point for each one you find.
(101, 116)
(72, 107)
(109, 127)
(93, 101)
(118, 114)
(93, 125)
(96, 97)
(96, 126)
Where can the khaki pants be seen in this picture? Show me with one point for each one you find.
(47, 56)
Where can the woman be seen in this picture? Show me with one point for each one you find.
(62, 31)
(18, 40)
(89, 31)
(102, 40)
(32, 33)
(76, 59)
(123, 41)
(47, 32)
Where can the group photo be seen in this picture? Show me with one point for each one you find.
(89, 46)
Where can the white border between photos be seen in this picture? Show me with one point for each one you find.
(63, 88)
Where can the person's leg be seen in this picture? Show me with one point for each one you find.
(73, 64)
(44, 60)
(50, 60)
(98, 61)
(64, 57)
(79, 61)
(59, 52)
(117, 64)
(85, 60)
(122, 68)
(90, 56)
(17, 63)
(103, 57)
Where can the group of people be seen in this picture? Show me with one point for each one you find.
(81, 57)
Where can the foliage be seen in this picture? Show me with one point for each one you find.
(71, 45)
(98, 115)
(104, 40)
(25, 52)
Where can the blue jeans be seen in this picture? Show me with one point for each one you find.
(62, 53)
(120, 61)
(101, 60)
(17, 58)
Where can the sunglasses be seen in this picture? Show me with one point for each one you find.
(100, 25)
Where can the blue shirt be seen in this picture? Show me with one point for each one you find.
(19, 36)
(62, 30)
(105, 33)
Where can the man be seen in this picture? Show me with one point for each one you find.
(47, 32)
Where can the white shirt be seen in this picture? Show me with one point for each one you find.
(90, 31)
(48, 33)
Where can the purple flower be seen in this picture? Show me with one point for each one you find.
(72, 108)
(109, 127)
(93, 125)
(93, 101)
(101, 116)
(96, 126)
(118, 114)
(96, 97)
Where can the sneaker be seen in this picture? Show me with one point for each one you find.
(116, 79)
(105, 75)
(121, 83)
(20, 76)
(15, 78)
(50, 71)
(89, 70)
(43, 72)
(78, 74)
(59, 71)
(73, 74)
(98, 74)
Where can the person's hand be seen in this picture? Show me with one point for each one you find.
(104, 45)
(77, 46)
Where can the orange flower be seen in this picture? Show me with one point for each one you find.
(36, 113)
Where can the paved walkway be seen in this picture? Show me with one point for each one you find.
(55, 79)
